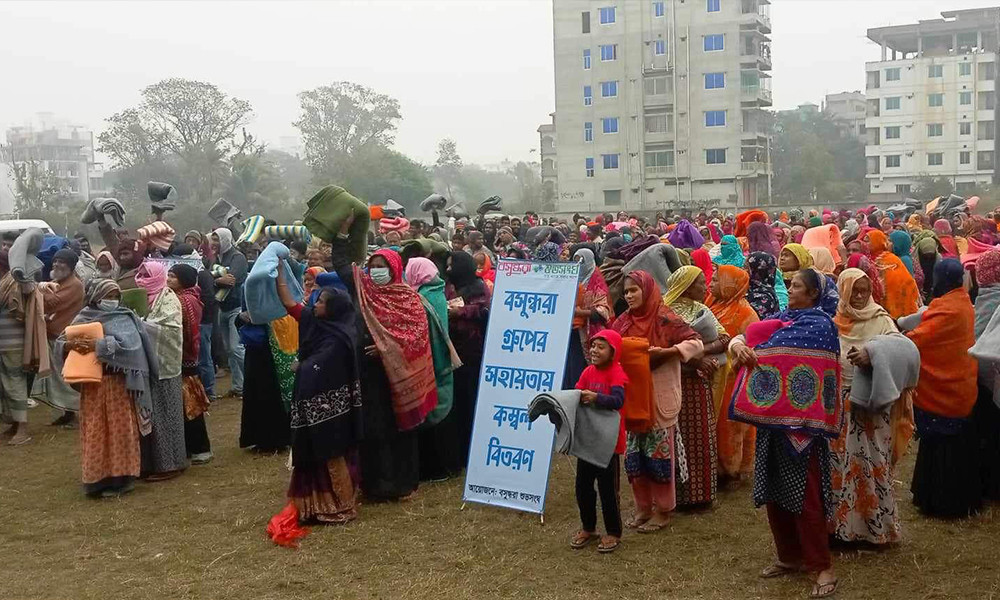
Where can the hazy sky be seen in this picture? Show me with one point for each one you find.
(479, 72)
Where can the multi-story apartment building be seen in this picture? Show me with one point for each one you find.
(547, 143)
(849, 110)
(658, 103)
(932, 103)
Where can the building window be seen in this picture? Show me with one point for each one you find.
(659, 47)
(965, 158)
(609, 89)
(609, 52)
(588, 132)
(891, 161)
(610, 161)
(714, 5)
(987, 101)
(892, 103)
(986, 130)
(588, 98)
(935, 71)
(658, 123)
(659, 158)
(586, 22)
(965, 69)
(609, 124)
(714, 43)
(935, 159)
(892, 133)
(966, 187)
(658, 10)
(987, 71)
(935, 129)
(612, 197)
(965, 98)
(715, 156)
(903, 188)
(934, 100)
(892, 74)
(586, 59)
(715, 81)
(965, 129)
(984, 160)
(655, 86)
(607, 15)
(589, 166)
(715, 118)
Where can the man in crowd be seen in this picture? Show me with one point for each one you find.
(63, 298)
(229, 308)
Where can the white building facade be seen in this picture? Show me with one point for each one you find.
(849, 110)
(932, 104)
(658, 104)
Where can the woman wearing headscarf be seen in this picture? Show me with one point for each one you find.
(792, 462)
(686, 291)
(729, 305)
(468, 312)
(944, 235)
(309, 279)
(117, 410)
(760, 238)
(871, 442)
(164, 454)
(902, 246)
(650, 457)
(946, 478)
(865, 264)
(398, 382)
(703, 261)
(902, 296)
(686, 236)
(439, 438)
(823, 262)
(591, 315)
(986, 413)
(107, 266)
(761, 295)
(792, 259)
(730, 252)
(484, 268)
(183, 280)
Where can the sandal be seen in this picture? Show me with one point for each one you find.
(824, 590)
(778, 570)
(650, 527)
(608, 544)
(582, 539)
(637, 521)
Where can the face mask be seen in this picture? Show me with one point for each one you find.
(107, 304)
(380, 275)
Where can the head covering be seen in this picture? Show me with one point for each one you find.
(744, 219)
(113, 272)
(186, 274)
(851, 230)
(652, 319)
(858, 325)
(877, 243)
(942, 227)
(703, 261)
(679, 282)
(420, 271)
(588, 264)
(152, 277)
(730, 252)
(462, 275)
(730, 306)
(802, 255)
(825, 236)
(98, 289)
(815, 222)
(823, 261)
(686, 235)
(988, 268)
(158, 234)
(762, 268)
(196, 235)
(225, 239)
(901, 245)
(760, 238)
(948, 276)
(67, 256)
(860, 261)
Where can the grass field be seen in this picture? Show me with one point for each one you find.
(202, 536)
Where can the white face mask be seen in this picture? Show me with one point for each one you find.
(380, 275)
(107, 304)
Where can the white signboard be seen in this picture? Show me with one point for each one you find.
(525, 354)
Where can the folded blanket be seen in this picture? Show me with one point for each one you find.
(393, 209)
(223, 212)
(491, 204)
(457, 211)
(83, 368)
(260, 291)
(638, 409)
(253, 228)
(433, 202)
(586, 432)
(287, 232)
(162, 196)
(24, 265)
(659, 260)
(704, 325)
(136, 299)
(895, 368)
(159, 233)
(104, 207)
(535, 234)
(398, 224)
(220, 292)
(329, 209)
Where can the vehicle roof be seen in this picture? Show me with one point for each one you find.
(22, 224)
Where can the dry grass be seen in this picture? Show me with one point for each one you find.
(202, 536)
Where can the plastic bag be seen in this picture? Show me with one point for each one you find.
(284, 528)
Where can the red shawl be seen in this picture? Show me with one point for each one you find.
(398, 325)
(653, 320)
(191, 309)
(703, 261)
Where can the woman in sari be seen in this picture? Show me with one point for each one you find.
(792, 464)
(871, 442)
(942, 228)
(438, 438)
(164, 454)
(729, 304)
(686, 291)
(468, 312)
(986, 414)
(946, 478)
(116, 411)
(650, 459)
(793, 258)
(591, 315)
(183, 280)
(398, 382)
(761, 295)
(730, 252)
(902, 297)
(902, 246)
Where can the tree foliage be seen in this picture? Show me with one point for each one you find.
(36, 189)
(376, 174)
(449, 165)
(814, 160)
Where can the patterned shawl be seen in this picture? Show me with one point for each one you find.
(398, 325)
(761, 294)
(191, 311)
(164, 325)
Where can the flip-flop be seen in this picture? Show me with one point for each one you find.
(778, 570)
(635, 522)
(824, 590)
(648, 527)
(579, 542)
(608, 548)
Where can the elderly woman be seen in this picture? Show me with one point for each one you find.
(650, 459)
(872, 441)
(164, 454)
(946, 478)
(792, 465)
(117, 410)
(686, 292)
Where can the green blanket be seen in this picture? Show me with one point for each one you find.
(328, 210)
(436, 307)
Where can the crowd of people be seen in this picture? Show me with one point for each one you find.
(795, 353)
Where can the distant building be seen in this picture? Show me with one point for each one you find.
(547, 153)
(659, 103)
(932, 103)
(849, 110)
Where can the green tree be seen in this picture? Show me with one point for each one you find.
(813, 159)
(377, 174)
(342, 119)
(254, 184)
(449, 165)
(36, 189)
(929, 188)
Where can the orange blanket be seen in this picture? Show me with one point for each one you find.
(83, 368)
(638, 410)
(947, 385)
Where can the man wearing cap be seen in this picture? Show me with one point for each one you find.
(63, 298)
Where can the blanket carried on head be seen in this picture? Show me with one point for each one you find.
(327, 212)
(261, 293)
(252, 230)
(586, 432)
(159, 234)
(287, 232)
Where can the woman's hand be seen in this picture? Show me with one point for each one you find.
(859, 356)
(372, 351)
(707, 367)
(83, 345)
(588, 397)
(744, 356)
(244, 316)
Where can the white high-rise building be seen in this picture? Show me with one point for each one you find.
(658, 103)
(932, 103)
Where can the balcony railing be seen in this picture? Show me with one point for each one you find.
(756, 91)
(751, 166)
(661, 171)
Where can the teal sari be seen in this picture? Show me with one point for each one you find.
(436, 307)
